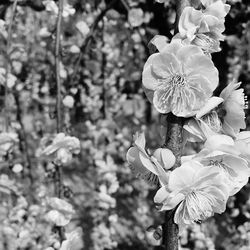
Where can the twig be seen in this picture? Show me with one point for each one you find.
(58, 170)
(7, 69)
(85, 46)
(58, 79)
(23, 137)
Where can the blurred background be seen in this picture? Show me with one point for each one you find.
(104, 47)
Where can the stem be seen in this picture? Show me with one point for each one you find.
(58, 169)
(23, 138)
(174, 142)
(7, 68)
(58, 79)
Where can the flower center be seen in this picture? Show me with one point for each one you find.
(198, 206)
(175, 80)
(213, 121)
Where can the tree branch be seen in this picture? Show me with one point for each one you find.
(174, 142)
(7, 67)
(57, 65)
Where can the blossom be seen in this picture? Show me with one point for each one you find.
(204, 27)
(52, 7)
(62, 148)
(179, 79)
(242, 144)
(61, 211)
(73, 240)
(7, 142)
(198, 191)
(149, 167)
(225, 114)
(220, 151)
(68, 101)
(135, 17)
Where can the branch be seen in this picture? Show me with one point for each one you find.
(7, 68)
(58, 169)
(174, 142)
(57, 64)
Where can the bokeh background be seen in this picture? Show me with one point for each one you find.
(104, 48)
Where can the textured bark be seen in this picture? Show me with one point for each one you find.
(173, 141)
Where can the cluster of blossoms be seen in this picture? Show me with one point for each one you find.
(180, 79)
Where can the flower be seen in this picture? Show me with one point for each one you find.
(62, 148)
(68, 101)
(242, 143)
(220, 151)
(7, 142)
(73, 240)
(179, 79)
(135, 17)
(61, 212)
(204, 27)
(234, 105)
(225, 114)
(198, 191)
(149, 167)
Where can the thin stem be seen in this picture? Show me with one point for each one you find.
(58, 170)
(58, 79)
(7, 68)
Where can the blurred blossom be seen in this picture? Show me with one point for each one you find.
(83, 28)
(61, 212)
(7, 142)
(73, 240)
(62, 148)
(11, 78)
(136, 17)
(68, 101)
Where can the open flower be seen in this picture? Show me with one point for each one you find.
(198, 191)
(62, 148)
(221, 151)
(179, 79)
(204, 27)
(149, 167)
(225, 114)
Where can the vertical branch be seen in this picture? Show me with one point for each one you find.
(58, 170)
(174, 141)
(7, 68)
(58, 79)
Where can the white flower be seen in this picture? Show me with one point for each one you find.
(221, 151)
(7, 142)
(198, 191)
(73, 240)
(135, 17)
(62, 148)
(224, 114)
(179, 79)
(82, 27)
(68, 101)
(150, 167)
(61, 212)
